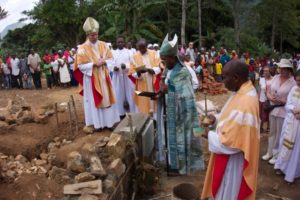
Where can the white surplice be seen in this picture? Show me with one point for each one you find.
(123, 86)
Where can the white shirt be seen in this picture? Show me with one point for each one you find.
(262, 85)
(193, 74)
(34, 62)
(15, 68)
(5, 69)
(132, 51)
(121, 56)
(54, 65)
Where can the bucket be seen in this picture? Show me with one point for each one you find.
(185, 191)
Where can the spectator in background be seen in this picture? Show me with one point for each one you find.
(1, 75)
(190, 51)
(48, 73)
(15, 72)
(7, 75)
(7, 61)
(247, 58)
(66, 53)
(34, 61)
(224, 57)
(47, 69)
(234, 55)
(190, 66)
(251, 68)
(71, 61)
(219, 68)
(280, 86)
(264, 84)
(210, 64)
(55, 55)
(64, 74)
(25, 73)
(55, 72)
(213, 51)
(47, 57)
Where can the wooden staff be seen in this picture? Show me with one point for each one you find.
(56, 115)
(75, 111)
(70, 117)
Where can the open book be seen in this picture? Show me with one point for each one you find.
(146, 94)
(140, 68)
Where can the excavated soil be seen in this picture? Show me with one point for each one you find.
(32, 139)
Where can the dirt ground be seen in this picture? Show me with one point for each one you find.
(32, 139)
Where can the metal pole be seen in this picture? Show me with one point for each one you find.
(163, 96)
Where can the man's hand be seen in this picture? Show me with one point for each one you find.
(123, 66)
(205, 134)
(116, 69)
(296, 111)
(101, 62)
(163, 88)
(150, 71)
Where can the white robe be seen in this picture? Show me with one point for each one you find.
(64, 74)
(232, 178)
(98, 117)
(123, 86)
(231, 182)
(290, 165)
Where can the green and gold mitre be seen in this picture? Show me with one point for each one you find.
(169, 48)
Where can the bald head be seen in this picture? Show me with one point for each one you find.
(235, 74)
(238, 68)
(142, 46)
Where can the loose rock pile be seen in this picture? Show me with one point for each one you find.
(12, 167)
(18, 111)
(100, 161)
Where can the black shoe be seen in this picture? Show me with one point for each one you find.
(278, 172)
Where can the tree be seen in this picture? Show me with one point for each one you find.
(200, 22)
(183, 21)
(3, 13)
(284, 24)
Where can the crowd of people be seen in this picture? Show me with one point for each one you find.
(25, 72)
(118, 78)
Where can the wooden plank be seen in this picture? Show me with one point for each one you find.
(91, 187)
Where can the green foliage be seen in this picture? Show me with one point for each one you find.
(3, 13)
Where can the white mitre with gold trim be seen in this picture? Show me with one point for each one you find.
(90, 26)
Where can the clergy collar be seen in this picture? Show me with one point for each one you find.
(245, 87)
(92, 44)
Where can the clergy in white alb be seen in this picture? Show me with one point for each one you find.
(92, 73)
(123, 85)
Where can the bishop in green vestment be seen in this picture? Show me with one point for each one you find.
(184, 150)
